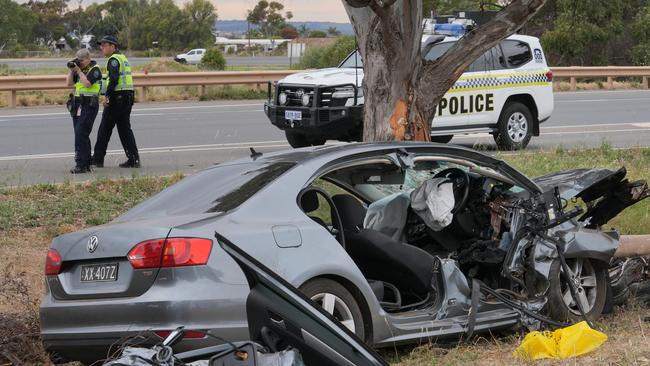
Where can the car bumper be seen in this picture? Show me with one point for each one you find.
(87, 330)
(327, 122)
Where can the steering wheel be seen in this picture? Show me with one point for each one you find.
(337, 223)
(460, 180)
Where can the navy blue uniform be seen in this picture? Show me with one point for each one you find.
(117, 113)
(83, 117)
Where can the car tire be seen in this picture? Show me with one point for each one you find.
(296, 140)
(515, 127)
(317, 141)
(342, 305)
(182, 61)
(560, 302)
(442, 139)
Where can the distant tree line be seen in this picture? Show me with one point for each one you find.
(136, 23)
(582, 33)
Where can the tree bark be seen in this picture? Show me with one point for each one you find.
(401, 89)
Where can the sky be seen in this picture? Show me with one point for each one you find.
(303, 10)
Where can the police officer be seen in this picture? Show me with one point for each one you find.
(86, 77)
(117, 106)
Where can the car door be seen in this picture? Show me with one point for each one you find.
(191, 56)
(280, 316)
(199, 55)
(480, 99)
(448, 113)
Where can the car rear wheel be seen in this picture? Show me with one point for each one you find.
(442, 139)
(296, 140)
(590, 280)
(514, 128)
(337, 301)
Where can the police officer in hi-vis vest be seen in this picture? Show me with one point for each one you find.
(117, 106)
(86, 77)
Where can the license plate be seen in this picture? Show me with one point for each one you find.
(99, 272)
(293, 115)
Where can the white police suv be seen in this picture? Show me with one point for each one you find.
(506, 92)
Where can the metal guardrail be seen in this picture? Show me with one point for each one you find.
(610, 72)
(12, 84)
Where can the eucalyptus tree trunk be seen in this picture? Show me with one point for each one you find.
(401, 89)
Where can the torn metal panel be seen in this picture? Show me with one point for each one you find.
(572, 183)
(587, 243)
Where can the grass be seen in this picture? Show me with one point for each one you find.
(31, 216)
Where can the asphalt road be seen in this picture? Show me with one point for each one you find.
(36, 144)
(34, 63)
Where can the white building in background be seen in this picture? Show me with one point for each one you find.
(268, 44)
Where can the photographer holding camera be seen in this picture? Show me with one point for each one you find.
(86, 77)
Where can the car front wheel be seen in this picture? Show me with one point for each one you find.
(297, 140)
(589, 277)
(514, 128)
(442, 139)
(337, 301)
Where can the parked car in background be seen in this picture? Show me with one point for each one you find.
(191, 57)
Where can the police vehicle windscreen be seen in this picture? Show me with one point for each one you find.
(218, 189)
(350, 61)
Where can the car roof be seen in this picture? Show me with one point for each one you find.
(515, 37)
(313, 158)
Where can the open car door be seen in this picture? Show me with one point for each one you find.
(280, 316)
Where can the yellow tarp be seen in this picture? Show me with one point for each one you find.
(572, 341)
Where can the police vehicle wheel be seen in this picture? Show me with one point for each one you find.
(297, 140)
(514, 128)
(442, 139)
(590, 279)
(317, 141)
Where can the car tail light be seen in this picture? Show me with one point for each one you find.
(172, 252)
(189, 334)
(53, 263)
(549, 75)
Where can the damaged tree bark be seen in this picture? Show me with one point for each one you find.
(401, 89)
(633, 246)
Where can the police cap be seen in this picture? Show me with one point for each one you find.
(108, 39)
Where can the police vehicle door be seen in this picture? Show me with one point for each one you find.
(448, 112)
(480, 89)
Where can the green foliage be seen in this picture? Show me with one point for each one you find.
(332, 31)
(213, 59)
(317, 34)
(267, 15)
(328, 56)
(16, 24)
(640, 53)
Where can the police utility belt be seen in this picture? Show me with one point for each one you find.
(91, 100)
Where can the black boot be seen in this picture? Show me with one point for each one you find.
(131, 163)
(80, 170)
(98, 163)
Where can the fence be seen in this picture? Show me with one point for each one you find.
(12, 84)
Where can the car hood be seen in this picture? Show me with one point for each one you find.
(331, 76)
(578, 182)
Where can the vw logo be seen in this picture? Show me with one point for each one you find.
(93, 242)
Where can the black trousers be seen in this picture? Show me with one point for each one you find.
(82, 121)
(117, 113)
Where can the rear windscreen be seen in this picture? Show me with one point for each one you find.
(218, 189)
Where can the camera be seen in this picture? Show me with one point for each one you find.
(73, 63)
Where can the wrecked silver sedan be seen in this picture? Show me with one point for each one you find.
(400, 242)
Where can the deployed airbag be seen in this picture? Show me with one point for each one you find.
(433, 201)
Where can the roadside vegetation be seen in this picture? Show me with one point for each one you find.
(31, 216)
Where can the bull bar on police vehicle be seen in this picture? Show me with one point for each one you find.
(320, 111)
